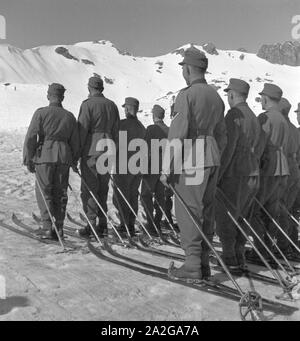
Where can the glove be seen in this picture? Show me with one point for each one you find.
(31, 167)
(164, 179)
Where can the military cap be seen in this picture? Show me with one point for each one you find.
(238, 85)
(195, 57)
(284, 106)
(158, 111)
(271, 90)
(96, 83)
(131, 101)
(56, 89)
(298, 109)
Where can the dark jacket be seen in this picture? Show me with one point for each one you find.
(134, 130)
(157, 131)
(293, 150)
(275, 135)
(52, 137)
(98, 118)
(243, 133)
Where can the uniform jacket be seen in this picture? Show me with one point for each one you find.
(98, 118)
(243, 133)
(135, 130)
(275, 135)
(199, 114)
(293, 150)
(159, 130)
(52, 136)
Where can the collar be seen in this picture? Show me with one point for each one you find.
(96, 95)
(199, 81)
(241, 104)
(55, 105)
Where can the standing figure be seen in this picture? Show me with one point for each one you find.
(151, 185)
(199, 119)
(98, 119)
(51, 146)
(128, 182)
(274, 168)
(239, 172)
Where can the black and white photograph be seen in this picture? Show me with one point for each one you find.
(150, 163)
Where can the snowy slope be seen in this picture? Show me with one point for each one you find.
(148, 79)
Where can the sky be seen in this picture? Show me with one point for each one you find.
(149, 27)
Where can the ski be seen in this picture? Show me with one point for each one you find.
(104, 254)
(211, 287)
(179, 257)
(246, 273)
(26, 234)
(74, 221)
(36, 233)
(273, 264)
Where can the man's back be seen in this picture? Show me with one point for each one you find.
(58, 136)
(200, 112)
(276, 134)
(98, 118)
(243, 132)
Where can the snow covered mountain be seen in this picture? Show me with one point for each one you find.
(25, 74)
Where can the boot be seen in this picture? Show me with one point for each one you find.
(85, 231)
(185, 272)
(206, 273)
(101, 230)
(49, 234)
(60, 228)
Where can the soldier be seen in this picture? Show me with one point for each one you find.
(151, 185)
(273, 166)
(239, 172)
(199, 116)
(289, 196)
(98, 119)
(128, 183)
(50, 148)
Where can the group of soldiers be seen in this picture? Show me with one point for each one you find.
(252, 162)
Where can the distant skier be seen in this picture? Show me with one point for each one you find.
(98, 119)
(51, 146)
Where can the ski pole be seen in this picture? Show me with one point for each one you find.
(50, 215)
(277, 225)
(293, 272)
(131, 209)
(86, 217)
(281, 253)
(254, 232)
(244, 296)
(275, 274)
(162, 210)
(122, 213)
(100, 207)
(291, 216)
